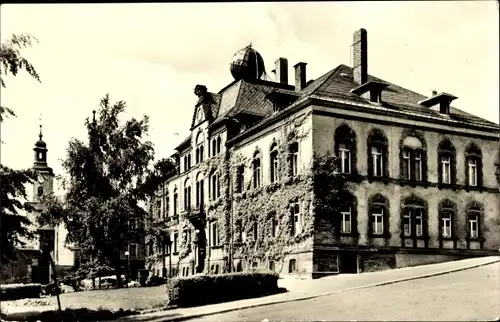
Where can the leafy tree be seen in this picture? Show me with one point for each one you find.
(107, 179)
(12, 62)
(13, 225)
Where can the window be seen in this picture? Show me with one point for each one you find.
(214, 147)
(414, 211)
(219, 144)
(176, 199)
(199, 148)
(133, 250)
(406, 165)
(345, 227)
(345, 149)
(255, 231)
(239, 230)
(239, 267)
(271, 266)
(447, 209)
(295, 216)
(199, 192)
(40, 156)
(294, 159)
(418, 166)
(377, 159)
(379, 216)
(472, 166)
(176, 239)
(446, 222)
(446, 169)
(167, 205)
(187, 195)
(215, 190)
(40, 191)
(345, 158)
(214, 234)
(378, 165)
(474, 211)
(292, 266)
(413, 157)
(240, 178)
(158, 208)
(274, 165)
(256, 172)
(133, 224)
(378, 221)
(274, 224)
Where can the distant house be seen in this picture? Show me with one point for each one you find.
(423, 173)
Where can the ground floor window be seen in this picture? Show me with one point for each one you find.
(292, 266)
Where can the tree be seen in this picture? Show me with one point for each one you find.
(12, 62)
(13, 225)
(106, 182)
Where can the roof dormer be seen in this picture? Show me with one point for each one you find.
(439, 102)
(371, 90)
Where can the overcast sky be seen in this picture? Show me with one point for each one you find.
(153, 55)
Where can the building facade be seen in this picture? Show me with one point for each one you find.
(422, 177)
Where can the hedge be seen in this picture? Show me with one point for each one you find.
(68, 315)
(208, 289)
(19, 291)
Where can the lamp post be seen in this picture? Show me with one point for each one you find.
(127, 253)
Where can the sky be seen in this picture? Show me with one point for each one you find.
(153, 55)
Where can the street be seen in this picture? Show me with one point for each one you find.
(469, 295)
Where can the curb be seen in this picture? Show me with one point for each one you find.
(303, 298)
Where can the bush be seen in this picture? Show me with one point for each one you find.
(208, 289)
(68, 315)
(19, 291)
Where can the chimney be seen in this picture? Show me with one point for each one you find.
(300, 76)
(439, 102)
(360, 57)
(281, 68)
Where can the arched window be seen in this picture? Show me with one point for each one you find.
(446, 162)
(447, 215)
(474, 212)
(271, 266)
(345, 149)
(378, 158)
(292, 266)
(347, 221)
(473, 166)
(214, 147)
(199, 148)
(256, 170)
(293, 150)
(176, 202)
(413, 156)
(214, 185)
(274, 163)
(296, 220)
(199, 191)
(187, 195)
(414, 219)
(219, 144)
(379, 216)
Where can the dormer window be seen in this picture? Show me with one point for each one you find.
(439, 102)
(371, 90)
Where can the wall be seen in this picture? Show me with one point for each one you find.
(323, 140)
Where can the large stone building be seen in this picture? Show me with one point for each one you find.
(423, 187)
(29, 266)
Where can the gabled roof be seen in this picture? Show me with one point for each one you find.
(338, 82)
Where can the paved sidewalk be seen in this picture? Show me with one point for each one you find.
(306, 289)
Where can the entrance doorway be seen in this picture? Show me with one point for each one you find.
(348, 262)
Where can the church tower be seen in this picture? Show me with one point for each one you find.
(45, 185)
